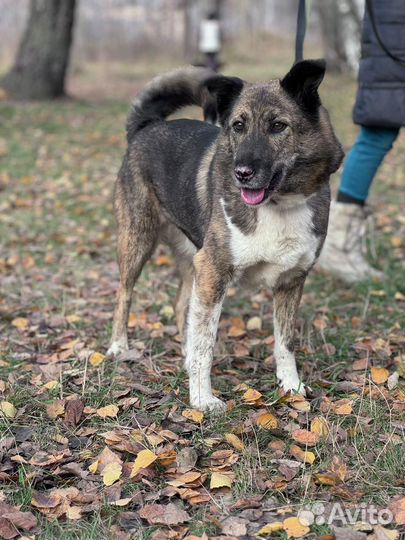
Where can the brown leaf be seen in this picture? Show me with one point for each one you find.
(73, 412)
(234, 526)
(303, 436)
(163, 514)
(294, 528)
(53, 410)
(186, 460)
(397, 507)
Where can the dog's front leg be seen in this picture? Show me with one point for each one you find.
(210, 283)
(287, 298)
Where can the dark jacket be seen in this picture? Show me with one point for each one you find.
(380, 98)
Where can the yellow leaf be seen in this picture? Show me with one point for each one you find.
(20, 323)
(396, 241)
(343, 407)
(254, 323)
(270, 528)
(219, 480)
(234, 441)
(379, 375)
(55, 409)
(93, 467)
(74, 512)
(8, 409)
(194, 415)
(51, 385)
(251, 395)
(301, 455)
(109, 411)
(142, 461)
(294, 528)
(267, 421)
(320, 426)
(96, 359)
(111, 473)
(73, 318)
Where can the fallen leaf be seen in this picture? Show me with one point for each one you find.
(294, 528)
(254, 323)
(194, 415)
(302, 455)
(270, 528)
(55, 409)
(397, 507)
(111, 473)
(379, 375)
(7, 409)
(267, 421)
(219, 480)
(302, 436)
(74, 512)
(73, 412)
(234, 441)
(184, 479)
(320, 426)
(20, 322)
(161, 514)
(343, 407)
(109, 411)
(96, 359)
(234, 526)
(93, 467)
(143, 460)
(251, 396)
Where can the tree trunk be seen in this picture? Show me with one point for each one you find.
(332, 34)
(42, 59)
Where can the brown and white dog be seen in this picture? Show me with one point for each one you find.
(248, 200)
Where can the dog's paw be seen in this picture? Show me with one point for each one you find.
(210, 404)
(116, 348)
(291, 383)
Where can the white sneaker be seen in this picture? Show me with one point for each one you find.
(343, 253)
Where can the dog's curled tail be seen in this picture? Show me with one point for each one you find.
(166, 94)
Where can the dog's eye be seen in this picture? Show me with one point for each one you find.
(277, 127)
(238, 126)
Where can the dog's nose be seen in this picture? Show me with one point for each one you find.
(244, 173)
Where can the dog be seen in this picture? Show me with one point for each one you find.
(247, 200)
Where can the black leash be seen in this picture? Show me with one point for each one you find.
(370, 10)
(301, 29)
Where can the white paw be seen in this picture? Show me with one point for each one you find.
(208, 404)
(291, 383)
(117, 347)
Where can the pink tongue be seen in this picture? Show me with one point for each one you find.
(252, 196)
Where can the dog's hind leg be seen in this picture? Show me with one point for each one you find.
(138, 230)
(183, 298)
(286, 301)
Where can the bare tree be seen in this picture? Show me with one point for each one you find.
(42, 59)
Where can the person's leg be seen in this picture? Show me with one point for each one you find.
(343, 252)
(362, 163)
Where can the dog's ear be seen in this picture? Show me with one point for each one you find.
(302, 82)
(224, 92)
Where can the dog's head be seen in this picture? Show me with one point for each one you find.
(276, 136)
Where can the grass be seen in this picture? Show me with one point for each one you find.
(57, 259)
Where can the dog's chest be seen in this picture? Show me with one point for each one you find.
(283, 240)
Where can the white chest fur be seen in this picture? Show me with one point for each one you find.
(283, 239)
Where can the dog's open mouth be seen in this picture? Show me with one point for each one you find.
(253, 197)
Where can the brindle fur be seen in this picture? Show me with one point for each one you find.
(177, 185)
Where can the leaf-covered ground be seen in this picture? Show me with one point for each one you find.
(92, 448)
